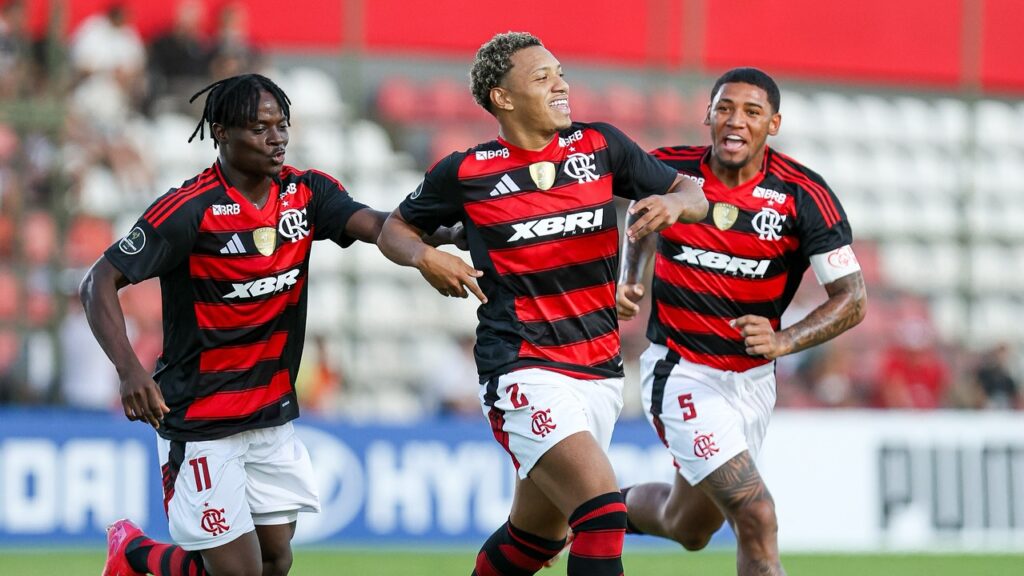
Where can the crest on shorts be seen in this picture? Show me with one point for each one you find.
(265, 239)
(541, 424)
(724, 215)
(543, 174)
(704, 445)
(213, 521)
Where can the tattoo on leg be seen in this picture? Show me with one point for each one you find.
(737, 483)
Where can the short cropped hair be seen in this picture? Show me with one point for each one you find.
(234, 102)
(754, 77)
(493, 61)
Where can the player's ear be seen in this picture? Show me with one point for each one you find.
(220, 133)
(774, 124)
(501, 99)
(707, 115)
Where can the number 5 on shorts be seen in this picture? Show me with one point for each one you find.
(686, 403)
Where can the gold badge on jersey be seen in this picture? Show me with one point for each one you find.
(724, 215)
(543, 174)
(265, 239)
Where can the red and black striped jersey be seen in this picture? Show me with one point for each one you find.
(542, 227)
(746, 257)
(233, 279)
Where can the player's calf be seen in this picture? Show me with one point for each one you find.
(513, 552)
(599, 528)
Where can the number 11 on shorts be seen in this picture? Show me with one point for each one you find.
(202, 472)
(686, 403)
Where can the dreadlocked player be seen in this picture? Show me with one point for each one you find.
(231, 248)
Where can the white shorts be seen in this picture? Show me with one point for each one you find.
(534, 409)
(218, 490)
(705, 416)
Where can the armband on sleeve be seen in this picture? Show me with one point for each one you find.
(832, 266)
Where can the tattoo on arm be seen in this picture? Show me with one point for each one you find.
(844, 309)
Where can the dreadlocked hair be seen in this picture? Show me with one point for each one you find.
(235, 101)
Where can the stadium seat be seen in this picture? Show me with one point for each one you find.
(669, 108)
(625, 106)
(990, 269)
(398, 100)
(315, 95)
(39, 240)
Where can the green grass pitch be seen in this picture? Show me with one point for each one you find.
(389, 562)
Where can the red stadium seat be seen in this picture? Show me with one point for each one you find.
(625, 106)
(669, 109)
(40, 238)
(87, 238)
(398, 101)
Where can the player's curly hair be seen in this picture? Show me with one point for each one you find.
(494, 60)
(235, 102)
(754, 77)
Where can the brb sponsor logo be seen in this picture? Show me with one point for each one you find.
(722, 262)
(564, 225)
(264, 286)
(226, 209)
(492, 154)
(574, 137)
(770, 195)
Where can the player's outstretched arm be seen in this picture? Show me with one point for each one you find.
(140, 395)
(403, 244)
(365, 225)
(635, 256)
(684, 202)
(844, 309)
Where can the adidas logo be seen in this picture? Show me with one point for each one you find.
(234, 246)
(505, 185)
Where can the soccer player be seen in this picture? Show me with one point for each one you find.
(719, 288)
(231, 248)
(537, 204)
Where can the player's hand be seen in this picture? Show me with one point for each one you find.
(450, 275)
(760, 338)
(627, 298)
(142, 399)
(657, 213)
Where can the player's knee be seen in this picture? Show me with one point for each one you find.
(691, 537)
(279, 565)
(757, 519)
(692, 540)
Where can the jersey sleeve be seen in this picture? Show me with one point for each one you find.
(637, 174)
(823, 226)
(436, 201)
(149, 250)
(333, 206)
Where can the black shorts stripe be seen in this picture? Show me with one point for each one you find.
(662, 370)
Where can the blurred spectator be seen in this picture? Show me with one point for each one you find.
(180, 57)
(318, 385)
(14, 49)
(105, 43)
(913, 373)
(451, 383)
(233, 53)
(996, 384)
(88, 380)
